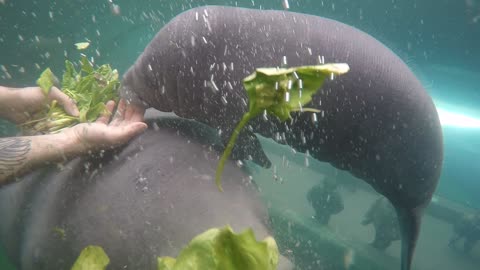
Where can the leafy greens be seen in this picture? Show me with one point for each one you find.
(90, 88)
(279, 91)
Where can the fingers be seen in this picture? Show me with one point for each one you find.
(121, 135)
(134, 113)
(64, 100)
(127, 113)
(132, 130)
(119, 113)
(105, 117)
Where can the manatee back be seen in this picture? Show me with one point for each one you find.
(150, 199)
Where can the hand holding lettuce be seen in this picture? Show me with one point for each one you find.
(90, 88)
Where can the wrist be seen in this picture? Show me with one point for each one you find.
(60, 147)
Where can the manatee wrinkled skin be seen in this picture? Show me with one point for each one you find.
(377, 121)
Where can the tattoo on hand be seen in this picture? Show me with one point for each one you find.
(13, 151)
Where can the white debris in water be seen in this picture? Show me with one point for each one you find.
(205, 40)
(196, 16)
(20, 37)
(277, 136)
(314, 117)
(321, 59)
(284, 61)
(287, 96)
(309, 50)
(224, 100)
(214, 86)
(239, 163)
(114, 8)
(296, 75)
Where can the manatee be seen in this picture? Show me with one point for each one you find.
(377, 121)
(146, 200)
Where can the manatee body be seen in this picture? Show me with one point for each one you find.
(149, 199)
(377, 121)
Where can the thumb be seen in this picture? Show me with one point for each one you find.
(67, 103)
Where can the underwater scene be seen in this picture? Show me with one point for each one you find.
(279, 134)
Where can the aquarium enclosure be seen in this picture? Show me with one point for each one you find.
(249, 134)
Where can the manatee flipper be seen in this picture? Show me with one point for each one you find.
(247, 145)
(409, 221)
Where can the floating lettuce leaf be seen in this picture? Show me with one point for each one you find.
(222, 249)
(90, 88)
(46, 81)
(279, 91)
(82, 45)
(91, 258)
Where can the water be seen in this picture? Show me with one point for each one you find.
(440, 41)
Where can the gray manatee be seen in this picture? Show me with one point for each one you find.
(377, 121)
(148, 199)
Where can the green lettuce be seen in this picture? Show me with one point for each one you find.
(215, 249)
(279, 91)
(222, 249)
(89, 87)
(91, 258)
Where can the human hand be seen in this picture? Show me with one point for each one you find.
(21, 103)
(126, 124)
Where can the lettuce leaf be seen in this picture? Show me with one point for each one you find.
(279, 91)
(222, 249)
(91, 258)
